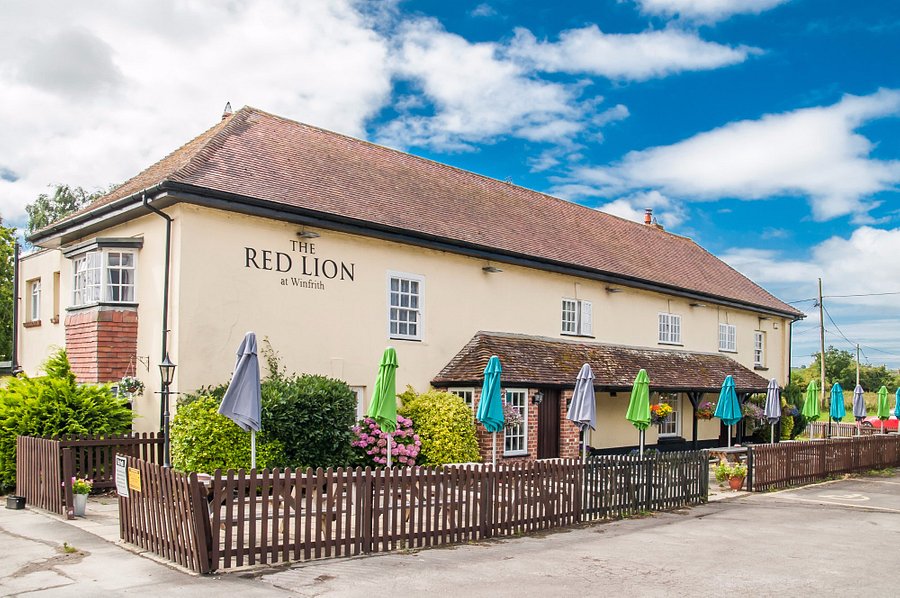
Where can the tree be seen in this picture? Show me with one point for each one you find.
(47, 209)
(7, 253)
(840, 366)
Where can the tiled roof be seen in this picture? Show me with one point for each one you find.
(265, 157)
(538, 361)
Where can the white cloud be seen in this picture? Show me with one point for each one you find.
(625, 56)
(811, 152)
(483, 10)
(670, 214)
(706, 10)
(100, 90)
(477, 95)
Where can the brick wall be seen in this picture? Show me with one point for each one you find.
(101, 343)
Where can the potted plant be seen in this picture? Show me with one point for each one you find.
(81, 487)
(512, 416)
(706, 410)
(131, 386)
(659, 413)
(734, 473)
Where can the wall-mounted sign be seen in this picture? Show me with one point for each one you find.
(134, 479)
(307, 270)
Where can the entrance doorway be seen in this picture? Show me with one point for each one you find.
(548, 425)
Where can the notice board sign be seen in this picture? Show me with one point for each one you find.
(134, 479)
(121, 476)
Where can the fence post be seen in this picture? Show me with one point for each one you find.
(68, 472)
(202, 525)
(368, 500)
(750, 468)
(487, 502)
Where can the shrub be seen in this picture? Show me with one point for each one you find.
(725, 471)
(787, 427)
(371, 443)
(799, 425)
(53, 405)
(444, 424)
(311, 416)
(202, 440)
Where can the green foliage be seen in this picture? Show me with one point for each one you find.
(787, 427)
(800, 422)
(444, 424)
(7, 259)
(47, 209)
(726, 471)
(203, 440)
(840, 366)
(53, 405)
(312, 417)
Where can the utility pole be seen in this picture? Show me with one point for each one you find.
(822, 344)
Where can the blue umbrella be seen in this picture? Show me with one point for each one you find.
(837, 411)
(773, 405)
(897, 405)
(728, 409)
(242, 402)
(583, 406)
(490, 406)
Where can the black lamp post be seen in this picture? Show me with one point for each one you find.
(166, 375)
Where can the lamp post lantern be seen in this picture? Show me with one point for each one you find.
(166, 375)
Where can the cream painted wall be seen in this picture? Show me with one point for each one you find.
(35, 343)
(341, 330)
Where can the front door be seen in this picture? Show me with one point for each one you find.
(548, 425)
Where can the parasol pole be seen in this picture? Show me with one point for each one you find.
(584, 445)
(389, 450)
(252, 449)
(494, 449)
(641, 435)
(772, 427)
(729, 436)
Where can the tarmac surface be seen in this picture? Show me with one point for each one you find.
(838, 537)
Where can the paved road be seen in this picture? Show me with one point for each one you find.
(839, 538)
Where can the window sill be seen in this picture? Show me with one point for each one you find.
(732, 351)
(517, 454)
(760, 368)
(86, 306)
(405, 338)
(671, 344)
(31, 324)
(572, 334)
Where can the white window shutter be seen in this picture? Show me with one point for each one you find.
(587, 318)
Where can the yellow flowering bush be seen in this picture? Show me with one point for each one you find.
(445, 426)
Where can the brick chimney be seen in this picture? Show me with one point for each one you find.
(648, 216)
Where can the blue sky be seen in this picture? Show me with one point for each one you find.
(767, 130)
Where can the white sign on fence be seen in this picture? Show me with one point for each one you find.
(121, 476)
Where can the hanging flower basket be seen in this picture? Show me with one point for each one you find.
(512, 416)
(659, 413)
(706, 410)
(131, 386)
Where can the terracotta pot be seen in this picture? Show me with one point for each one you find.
(736, 482)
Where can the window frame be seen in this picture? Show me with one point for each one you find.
(759, 348)
(727, 337)
(673, 399)
(670, 319)
(582, 320)
(461, 391)
(96, 286)
(34, 300)
(420, 310)
(521, 429)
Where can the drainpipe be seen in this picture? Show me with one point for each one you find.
(163, 410)
(14, 356)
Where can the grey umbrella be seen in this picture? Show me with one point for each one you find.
(583, 407)
(773, 405)
(242, 402)
(859, 406)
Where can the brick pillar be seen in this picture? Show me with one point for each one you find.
(101, 342)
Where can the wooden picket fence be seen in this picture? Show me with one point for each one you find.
(266, 517)
(838, 430)
(45, 466)
(785, 464)
(166, 513)
(618, 486)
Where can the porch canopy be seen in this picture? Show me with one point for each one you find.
(536, 361)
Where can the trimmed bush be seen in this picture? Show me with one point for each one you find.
(311, 416)
(444, 424)
(53, 405)
(203, 440)
(787, 426)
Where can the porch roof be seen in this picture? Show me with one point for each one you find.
(540, 361)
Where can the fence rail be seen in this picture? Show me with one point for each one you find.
(45, 466)
(791, 463)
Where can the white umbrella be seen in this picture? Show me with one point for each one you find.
(859, 406)
(242, 402)
(773, 405)
(583, 407)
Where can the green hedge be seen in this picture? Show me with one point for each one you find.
(445, 426)
(53, 405)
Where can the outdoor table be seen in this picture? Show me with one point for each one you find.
(724, 454)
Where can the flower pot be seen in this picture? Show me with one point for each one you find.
(736, 482)
(80, 504)
(15, 502)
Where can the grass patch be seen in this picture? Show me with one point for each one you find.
(68, 548)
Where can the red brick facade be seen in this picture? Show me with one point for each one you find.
(101, 343)
(568, 433)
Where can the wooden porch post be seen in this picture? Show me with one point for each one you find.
(694, 397)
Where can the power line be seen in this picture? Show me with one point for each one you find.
(841, 332)
(861, 295)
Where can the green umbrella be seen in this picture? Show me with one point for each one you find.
(639, 405)
(884, 411)
(811, 403)
(383, 407)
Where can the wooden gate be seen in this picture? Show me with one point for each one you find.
(548, 425)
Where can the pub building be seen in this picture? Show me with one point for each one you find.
(333, 248)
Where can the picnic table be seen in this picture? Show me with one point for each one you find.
(725, 454)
